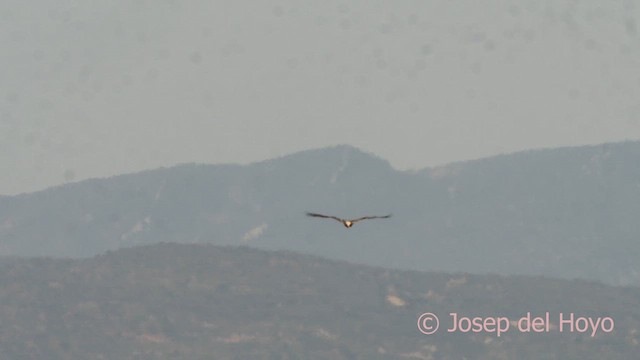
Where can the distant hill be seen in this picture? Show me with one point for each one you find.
(173, 301)
(568, 212)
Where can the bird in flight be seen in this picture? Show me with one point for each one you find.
(345, 222)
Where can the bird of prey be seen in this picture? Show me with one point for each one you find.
(348, 223)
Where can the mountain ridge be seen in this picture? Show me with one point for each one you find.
(566, 213)
(344, 148)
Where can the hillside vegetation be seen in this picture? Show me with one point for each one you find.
(172, 301)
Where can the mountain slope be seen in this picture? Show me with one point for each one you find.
(568, 212)
(173, 301)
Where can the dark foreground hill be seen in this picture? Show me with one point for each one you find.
(569, 212)
(173, 301)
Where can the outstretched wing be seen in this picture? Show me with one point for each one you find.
(370, 217)
(324, 216)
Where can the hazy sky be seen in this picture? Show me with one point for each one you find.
(98, 88)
